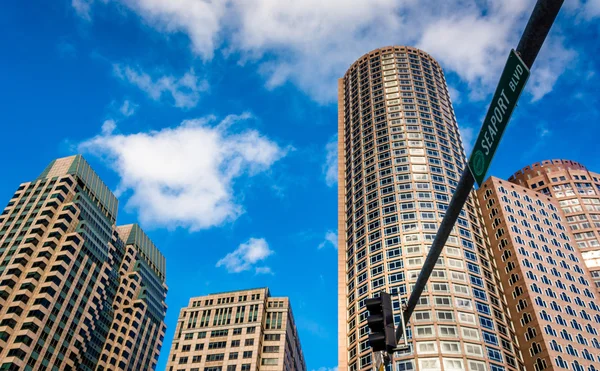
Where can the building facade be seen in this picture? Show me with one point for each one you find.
(236, 331)
(577, 190)
(137, 331)
(550, 293)
(400, 157)
(76, 291)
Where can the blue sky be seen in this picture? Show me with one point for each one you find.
(213, 120)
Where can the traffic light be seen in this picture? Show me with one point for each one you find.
(381, 323)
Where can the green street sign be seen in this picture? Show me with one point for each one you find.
(507, 94)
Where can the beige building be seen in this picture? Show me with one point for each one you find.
(236, 331)
(577, 191)
(550, 292)
(76, 291)
(400, 158)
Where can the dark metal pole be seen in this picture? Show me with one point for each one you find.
(537, 29)
(459, 198)
(533, 37)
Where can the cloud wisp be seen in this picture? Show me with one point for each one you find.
(185, 91)
(128, 108)
(185, 176)
(467, 134)
(330, 168)
(331, 239)
(83, 8)
(247, 256)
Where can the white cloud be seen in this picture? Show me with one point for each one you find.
(478, 53)
(468, 138)
(311, 43)
(184, 90)
(128, 108)
(584, 9)
(202, 21)
(331, 239)
(327, 369)
(185, 176)
(108, 127)
(591, 9)
(542, 130)
(82, 8)
(330, 168)
(454, 94)
(246, 256)
(553, 56)
(263, 270)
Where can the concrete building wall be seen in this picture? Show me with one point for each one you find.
(550, 292)
(400, 157)
(236, 331)
(577, 190)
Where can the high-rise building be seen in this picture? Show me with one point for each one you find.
(550, 293)
(136, 334)
(400, 156)
(236, 331)
(76, 291)
(577, 190)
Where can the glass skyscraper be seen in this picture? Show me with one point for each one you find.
(76, 291)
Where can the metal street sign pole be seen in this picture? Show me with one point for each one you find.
(512, 81)
(533, 37)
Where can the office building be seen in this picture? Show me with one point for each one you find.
(136, 334)
(236, 331)
(76, 291)
(550, 293)
(577, 190)
(400, 158)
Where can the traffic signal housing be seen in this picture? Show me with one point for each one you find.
(381, 323)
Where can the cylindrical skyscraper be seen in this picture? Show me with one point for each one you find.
(400, 157)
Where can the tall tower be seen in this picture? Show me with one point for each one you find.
(400, 156)
(76, 291)
(236, 331)
(577, 190)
